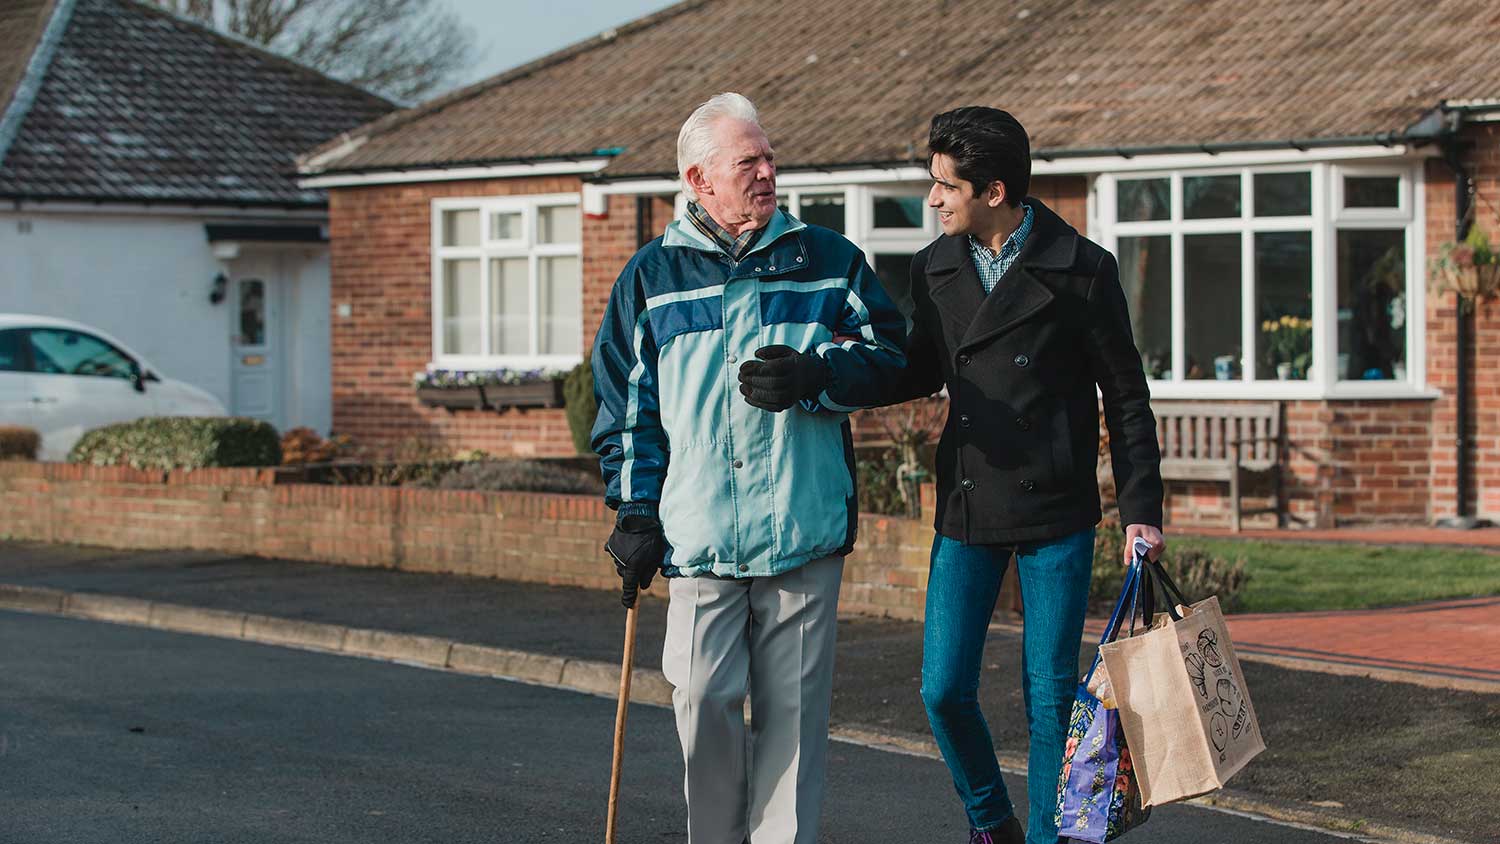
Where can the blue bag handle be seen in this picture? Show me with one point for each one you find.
(1129, 589)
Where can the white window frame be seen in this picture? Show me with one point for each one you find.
(1326, 218)
(528, 206)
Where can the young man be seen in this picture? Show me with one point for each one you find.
(1022, 318)
(726, 450)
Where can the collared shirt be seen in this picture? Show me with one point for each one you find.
(992, 265)
(734, 247)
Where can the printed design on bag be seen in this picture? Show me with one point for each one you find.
(1208, 647)
(1242, 719)
(1218, 730)
(1229, 696)
(1195, 672)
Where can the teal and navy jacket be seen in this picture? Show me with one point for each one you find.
(740, 492)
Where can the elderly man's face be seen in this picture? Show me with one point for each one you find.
(738, 184)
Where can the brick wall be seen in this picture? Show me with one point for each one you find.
(553, 539)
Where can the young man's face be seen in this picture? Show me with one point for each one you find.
(959, 210)
(739, 183)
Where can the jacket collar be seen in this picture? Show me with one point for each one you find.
(778, 250)
(970, 316)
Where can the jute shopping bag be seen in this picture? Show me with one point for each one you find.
(1182, 697)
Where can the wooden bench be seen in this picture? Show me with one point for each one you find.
(1217, 441)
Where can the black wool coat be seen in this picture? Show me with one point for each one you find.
(1018, 455)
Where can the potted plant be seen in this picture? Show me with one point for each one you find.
(1470, 268)
(450, 389)
(1288, 345)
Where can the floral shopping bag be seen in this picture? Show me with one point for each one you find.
(1098, 797)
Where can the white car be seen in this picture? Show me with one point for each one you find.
(63, 378)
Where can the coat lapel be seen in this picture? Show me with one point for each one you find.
(1020, 294)
(954, 286)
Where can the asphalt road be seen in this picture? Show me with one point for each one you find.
(121, 734)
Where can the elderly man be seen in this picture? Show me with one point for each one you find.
(725, 365)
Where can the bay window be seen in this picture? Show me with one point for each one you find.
(1276, 281)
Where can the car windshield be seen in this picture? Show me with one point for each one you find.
(63, 352)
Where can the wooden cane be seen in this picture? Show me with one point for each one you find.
(621, 710)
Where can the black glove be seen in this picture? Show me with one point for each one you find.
(781, 377)
(638, 546)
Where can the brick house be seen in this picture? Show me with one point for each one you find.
(1273, 179)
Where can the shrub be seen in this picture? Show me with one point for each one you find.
(879, 491)
(578, 403)
(18, 443)
(180, 442)
(521, 476)
(1195, 571)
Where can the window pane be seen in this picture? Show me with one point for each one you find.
(899, 212)
(252, 313)
(1283, 194)
(510, 307)
(505, 226)
(61, 352)
(1372, 304)
(461, 314)
(1208, 197)
(894, 272)
(1143, 199)
(561, 292)
(460, 228)
(827, 210)
(1211, 287)
(12, 354)
(1283, 305)
(558, 224)
(1372, 192)
(1146, 275)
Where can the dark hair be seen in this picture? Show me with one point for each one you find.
(986, 145)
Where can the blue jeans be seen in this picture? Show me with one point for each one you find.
(962, 587)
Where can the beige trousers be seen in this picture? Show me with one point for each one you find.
(773, 637)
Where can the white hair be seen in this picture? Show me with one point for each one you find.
(695, 141)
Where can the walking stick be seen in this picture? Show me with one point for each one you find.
(621, 710)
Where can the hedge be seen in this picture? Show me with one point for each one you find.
(180, 442)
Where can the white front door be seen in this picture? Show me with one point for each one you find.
(253, 297)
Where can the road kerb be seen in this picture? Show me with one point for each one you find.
(400, 647)
(108, 608)
(289, 631)
(184, 619)
(32, 598)
(503, 662)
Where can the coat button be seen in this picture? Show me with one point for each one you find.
(738, 464)
(964, 421)
(1023, 423)
(732, 359)
(964, 359)
(744, 567)
(1028, 485)
(968, 485)
(1022, 360)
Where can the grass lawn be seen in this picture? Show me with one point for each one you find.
(1291, 576)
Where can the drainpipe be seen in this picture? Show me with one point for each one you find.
(643, 233)
(1463, 199)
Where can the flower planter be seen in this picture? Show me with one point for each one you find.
(452, 398)
(529, 394)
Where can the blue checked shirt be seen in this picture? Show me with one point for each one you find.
(992, 265)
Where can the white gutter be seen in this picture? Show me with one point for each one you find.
(595, 193)
(453, 174)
